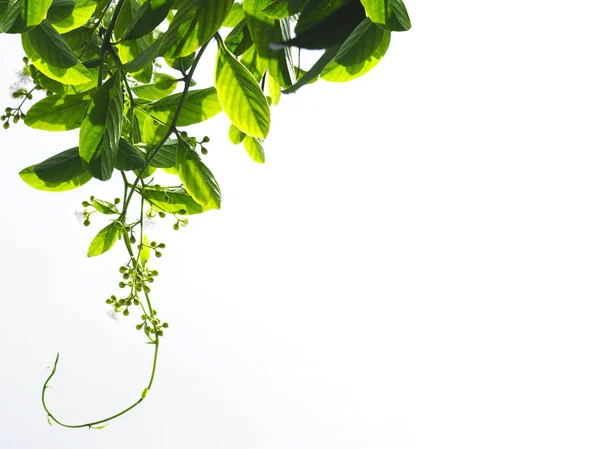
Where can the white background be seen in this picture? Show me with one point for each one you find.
(416, 266)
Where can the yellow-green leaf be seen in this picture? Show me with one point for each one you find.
(241, 96)
(103, 241)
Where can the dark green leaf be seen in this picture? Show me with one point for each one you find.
(239, 40)
(59, 173)
(144, 58)
(327, 23)
(129, 157)
(50, 54)
(101, 129)
(266, 31)
(193, 25)
(343, 67)
(315, 70)
(148, 17)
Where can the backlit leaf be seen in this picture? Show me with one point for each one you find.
(241, 96)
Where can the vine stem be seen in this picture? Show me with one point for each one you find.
(172, 127)
(127, 201)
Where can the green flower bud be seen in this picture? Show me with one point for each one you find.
(176, 226)
(205, 139)
(132, 239)
(165, 325)
(158, 254)
(162, 214)
(138, 327)
(162, 245)
(136, 302)
(126, 312)
(117, 200)
(160, 333)
(154, 273)
(122, 270)
(122, 284)
(86, 222)
(16, 119)
(203, 151)
(25, 60)
(125, 276)
(146, 289)
(109, 301)
(85, 203)
(153, 244)
(113, 297)
(6, 125)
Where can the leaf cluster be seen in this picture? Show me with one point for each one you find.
(121, 73)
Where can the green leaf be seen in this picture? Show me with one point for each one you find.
(50, 54)
(235, 135)
(144, 58)
(67, 15)
(280, 9)
(57, 87)
(327, 23)
(253, 63)
(58, 112)
(9, 12)
(162, 86)
(148, 17)
(131, 49)
(199, 105)
(129, 157)
(21, 16)
(236, 14)
(167, 155)
(101, 129)
(389, 14)
(265, 31)
(254, 148)
(197, 178)
(315, 70)
(241, 96)
(239, 39)
(103, 241)
(59, 173)
(274, 90)
(144, 258)
(193, 25)
(343, 68)
(105, 207)
(171, 200)
(35, 11)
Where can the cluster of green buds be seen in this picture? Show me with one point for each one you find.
(13, 114)
(96, 205)
(153, 246)
(194, 142)
(180, 220)
(152, 326)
